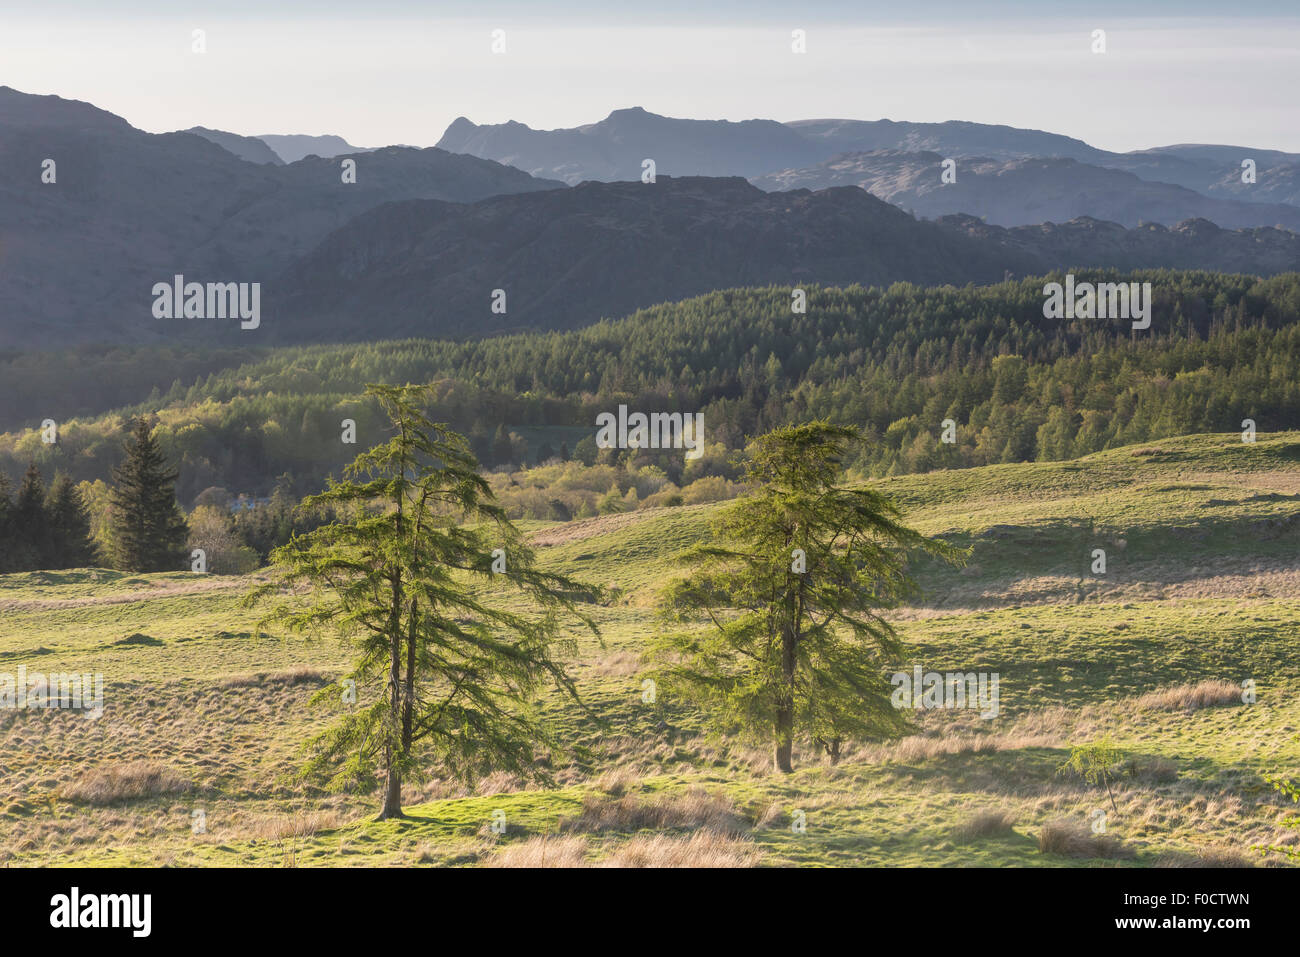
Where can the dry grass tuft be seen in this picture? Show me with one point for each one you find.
(543, 851)
(916, 748)
(290, 676)
(618, 780)
(277, 827)
(619, 664)
(1204, 694)
(772, 814)
(696, 808)
(1152, 770)
(706, 848)
(128, 782)
(1206, 857)
(986, 823)
(1067, 838)
(499, 782)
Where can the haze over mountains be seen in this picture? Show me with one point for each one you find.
(1014, 192)
(417, 244)
(614, 148)
(792, 155)
(291, 148)
(278, 149)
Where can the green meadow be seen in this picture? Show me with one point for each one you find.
(1185, 653)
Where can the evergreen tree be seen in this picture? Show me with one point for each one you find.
(413, 577)
(33, 545)
(69, 523)
(8, 543)
(149, 528)
(792, 591)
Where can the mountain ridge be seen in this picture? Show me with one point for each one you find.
(569, 257)
(613, 148)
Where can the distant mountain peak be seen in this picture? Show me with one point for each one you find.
(36, 109)
(248, 148)
(632, 112)
(615, 148)
(292, 147)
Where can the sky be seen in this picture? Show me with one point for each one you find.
(379, 72)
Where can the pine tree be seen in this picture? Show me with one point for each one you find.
(148, 526)
(792, 587)
(410, 576)
(31, 530)
(8, 543)
(69, 524)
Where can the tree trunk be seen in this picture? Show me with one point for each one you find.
(393, 787)
(408, 694)
(392, 794)
(784, 724)
(784, 727)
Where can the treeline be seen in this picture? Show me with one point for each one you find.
(136, 524)
(896, 361)
(43, 528)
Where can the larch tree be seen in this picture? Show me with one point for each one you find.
(456, 629)
(790, 590)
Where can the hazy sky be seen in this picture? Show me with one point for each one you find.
(389, 71)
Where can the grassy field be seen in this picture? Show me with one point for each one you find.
(203, 711)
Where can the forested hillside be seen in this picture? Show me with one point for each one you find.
(896, 361)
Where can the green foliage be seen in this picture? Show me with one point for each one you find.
(894, 362)
(30, 522)
(69, 523)
(1096, 763)
(43, 529)
(212, 529)
(1288, 789)
(792, 589)
(454, 627)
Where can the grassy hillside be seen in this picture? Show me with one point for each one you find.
(203, 711)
